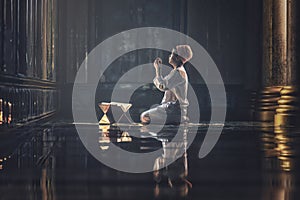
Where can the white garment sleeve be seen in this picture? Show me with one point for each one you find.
(170, 81)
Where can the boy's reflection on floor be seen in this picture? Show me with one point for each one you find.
(169, 179)
(172, 179)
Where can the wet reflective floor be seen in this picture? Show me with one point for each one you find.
(50, 161)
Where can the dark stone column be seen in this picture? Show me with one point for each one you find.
(280, 61)
(293, 41)
(280, 28)
(279, 56)
(267, 43)
(271, 75)
(287, 113)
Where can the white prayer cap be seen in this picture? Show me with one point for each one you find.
(185, 52)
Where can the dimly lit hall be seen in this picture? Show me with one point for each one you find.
(83, 81)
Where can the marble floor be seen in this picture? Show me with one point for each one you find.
(49, 161)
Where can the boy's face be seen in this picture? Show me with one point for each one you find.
(172, 57)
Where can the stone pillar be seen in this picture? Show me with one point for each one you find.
(280, 60)
(293, 42)
(267, 43)
(270, 93)
(288, 111)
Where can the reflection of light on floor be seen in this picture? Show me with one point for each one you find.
(125, 137)
(104, 139)
(104, 128)
(281, 147)
(285, 149)
(286, 164)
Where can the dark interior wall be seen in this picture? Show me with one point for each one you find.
(230, 30)
(253, 45)
(27, 60)
(84, 24)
